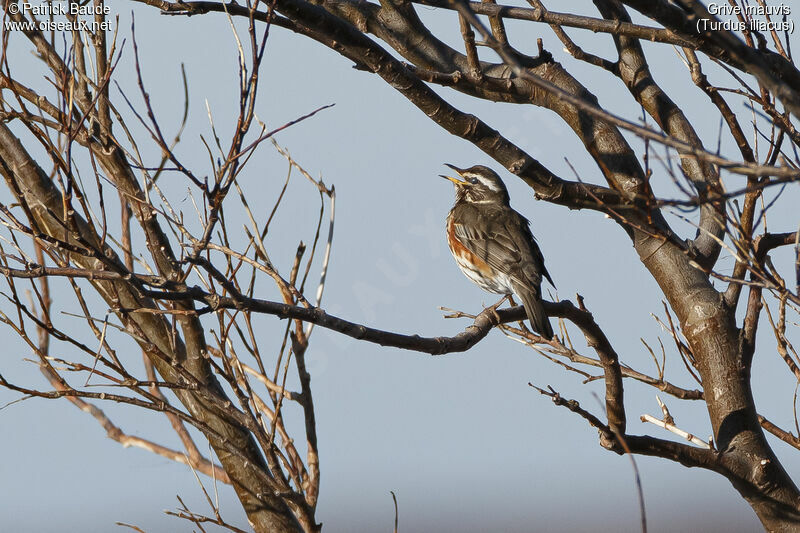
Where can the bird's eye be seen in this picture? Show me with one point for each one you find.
(473, 181)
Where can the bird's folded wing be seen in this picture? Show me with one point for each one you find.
(498, 247)
(526, 241)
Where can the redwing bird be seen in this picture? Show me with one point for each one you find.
(493, 245)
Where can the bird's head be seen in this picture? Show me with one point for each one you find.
(478, 184)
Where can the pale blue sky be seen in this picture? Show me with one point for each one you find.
(462, 440)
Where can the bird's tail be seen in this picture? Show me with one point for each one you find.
(533, 307)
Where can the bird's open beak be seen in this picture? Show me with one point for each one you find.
(454, 180)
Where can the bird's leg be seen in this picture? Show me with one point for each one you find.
(500, 302)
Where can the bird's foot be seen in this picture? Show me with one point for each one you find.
(494, 307)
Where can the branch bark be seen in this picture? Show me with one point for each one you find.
(33, 188)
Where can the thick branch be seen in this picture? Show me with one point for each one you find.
(634, 71)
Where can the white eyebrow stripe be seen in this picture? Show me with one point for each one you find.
(489, 184)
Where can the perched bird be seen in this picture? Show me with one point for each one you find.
(493, 244)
